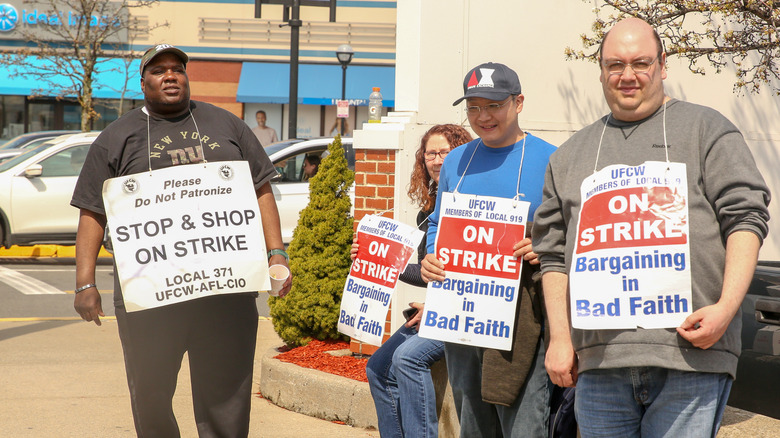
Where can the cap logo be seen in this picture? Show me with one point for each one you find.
(486, 79)
(162, 46)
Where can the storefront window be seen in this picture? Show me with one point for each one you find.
(41, 116)
(109, 110)
(11, 116)
(71, 116)
(49, 114)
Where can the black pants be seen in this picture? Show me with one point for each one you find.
(219, 334)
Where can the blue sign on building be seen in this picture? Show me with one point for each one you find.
(8, 17)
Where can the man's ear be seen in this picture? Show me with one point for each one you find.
(663, 65)
(519, 101)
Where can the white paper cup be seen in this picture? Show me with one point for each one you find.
(279, 274)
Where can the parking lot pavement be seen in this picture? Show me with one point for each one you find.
(65, 378)
(743, 424)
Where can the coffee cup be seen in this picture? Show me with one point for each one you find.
(279, 274)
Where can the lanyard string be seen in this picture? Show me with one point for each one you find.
(518, 195)
(666, 144)
(149, 137)
(601, 140)
(424, 220)
(467, 166)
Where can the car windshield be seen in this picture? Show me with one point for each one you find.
(36, 143)
(32, 139)
(5, 165)
(15, 142)
(4, 157)
(276, 147)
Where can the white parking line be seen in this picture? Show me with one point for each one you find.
(25, 284)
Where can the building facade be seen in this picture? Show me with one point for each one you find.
(238, 62)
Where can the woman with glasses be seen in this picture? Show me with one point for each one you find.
(399, 372)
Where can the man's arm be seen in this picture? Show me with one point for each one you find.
(89, 239)
(272, 230)
(560, 360)
(704, 327)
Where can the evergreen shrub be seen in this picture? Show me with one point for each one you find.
(319, 256)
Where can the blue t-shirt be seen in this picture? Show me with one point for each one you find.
(493, 172)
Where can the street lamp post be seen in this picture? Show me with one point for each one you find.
(344, 54)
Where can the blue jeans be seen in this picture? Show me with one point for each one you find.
(399, 377)
(527, 417)
(650, 402)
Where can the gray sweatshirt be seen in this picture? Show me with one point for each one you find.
(726, 193)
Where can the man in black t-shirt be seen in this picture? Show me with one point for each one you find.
(217, 332)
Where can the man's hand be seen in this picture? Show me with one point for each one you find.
(704, 327)
(89, 238)
(415, 320)
(89, 305)
(431, 269)
(560, 360)
(524, 249)
(354, 250)
(561, 364)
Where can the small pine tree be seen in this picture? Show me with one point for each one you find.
(319, 256)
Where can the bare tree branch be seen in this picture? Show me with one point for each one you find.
(742, 33)
(78, 41)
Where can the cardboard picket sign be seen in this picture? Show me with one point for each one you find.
(385, 249)
(476, 303)
(631, 262)
(186, 232)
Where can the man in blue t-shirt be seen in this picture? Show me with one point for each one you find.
(506, 391)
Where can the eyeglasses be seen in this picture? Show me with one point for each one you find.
(430, 156)
(491, 108)
(639, 66)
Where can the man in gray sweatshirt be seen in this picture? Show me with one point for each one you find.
(648, 235)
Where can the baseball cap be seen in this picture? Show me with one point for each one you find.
(153, 51)
(491, 81)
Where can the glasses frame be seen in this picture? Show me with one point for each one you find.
(441, 154)
(630, 64)
(491, 108)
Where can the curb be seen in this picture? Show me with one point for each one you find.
(316, 393)
(45, 251)
(51, 253)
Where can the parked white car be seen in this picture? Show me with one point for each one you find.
(37, 185)
(35, 191)
(290, 189)
(32, 139)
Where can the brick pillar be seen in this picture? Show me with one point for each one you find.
(374, 193)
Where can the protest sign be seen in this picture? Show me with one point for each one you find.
(630, 267)
(386, 246)
(186, 232)
(476, 303)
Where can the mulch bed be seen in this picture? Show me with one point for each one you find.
(315, 355)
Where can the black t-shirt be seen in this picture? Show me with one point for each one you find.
(124, 148)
